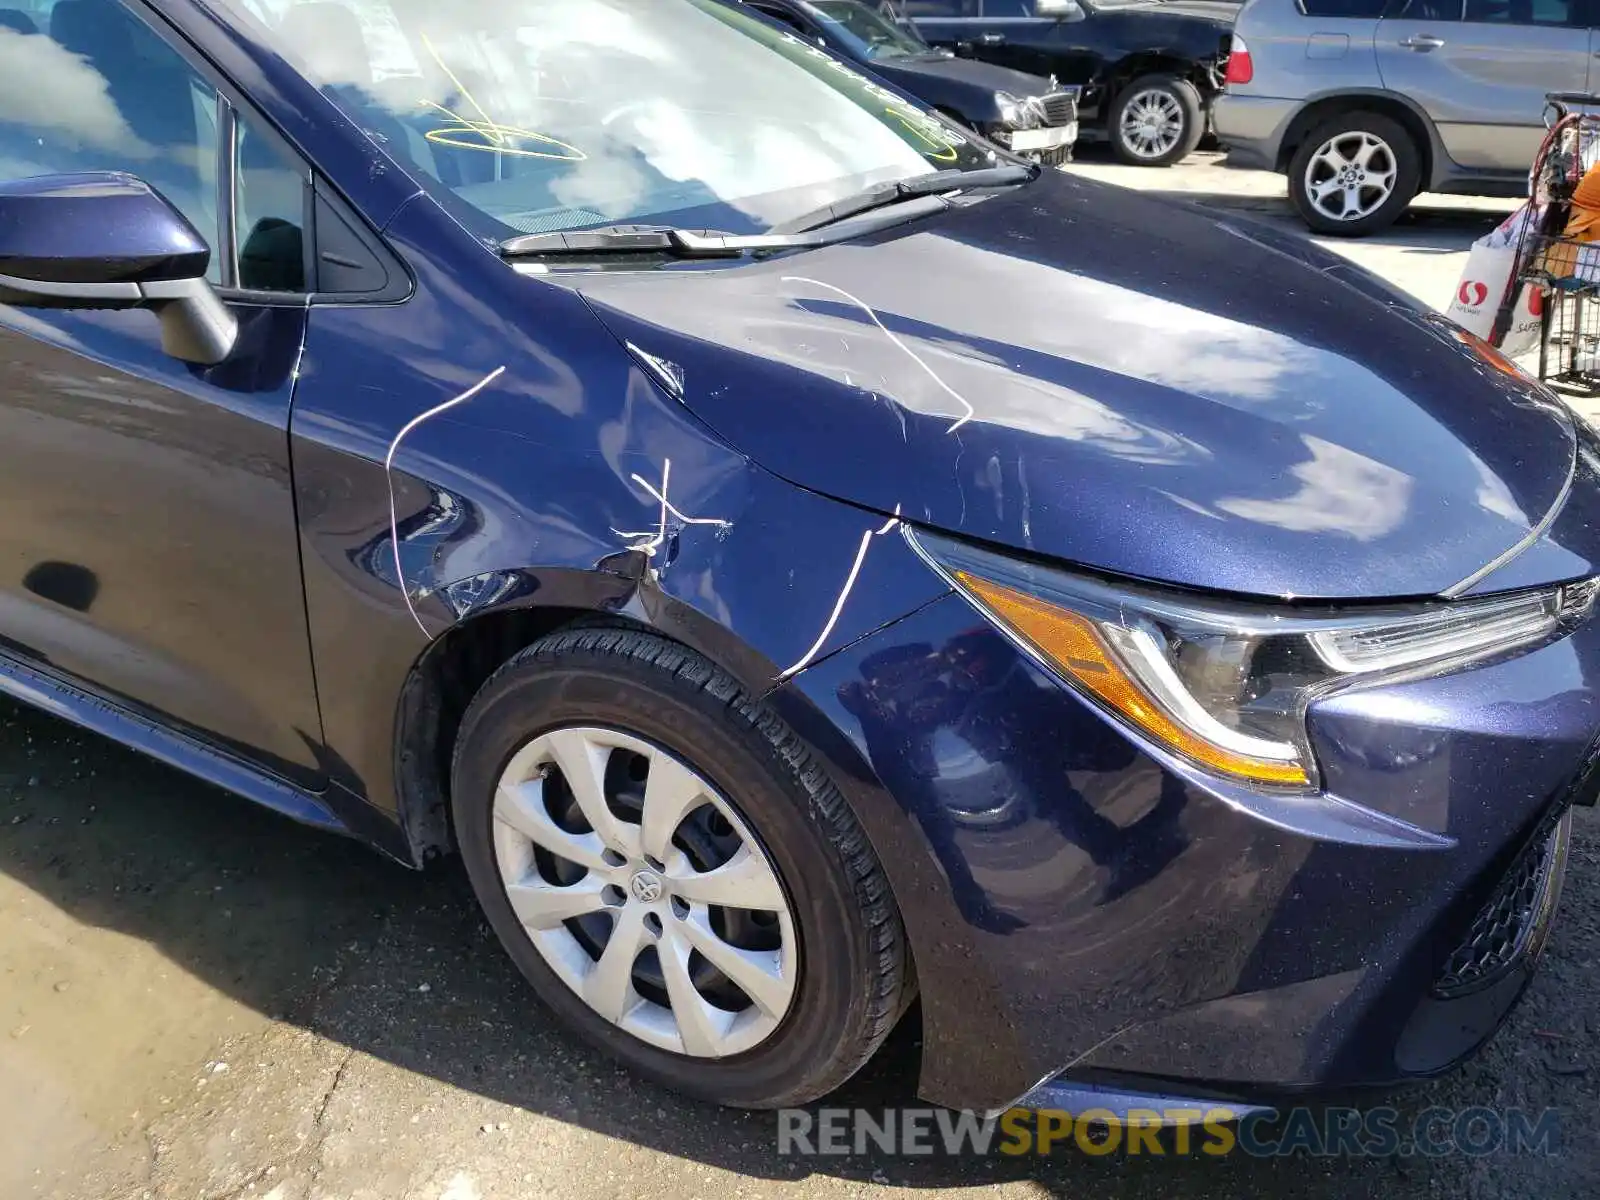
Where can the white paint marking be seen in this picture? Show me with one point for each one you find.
(388, 471)
(849, 583)
(658, 536)
(668, 374)
(932, 374)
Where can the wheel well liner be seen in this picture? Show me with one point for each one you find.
(442, 683)
(451, 669)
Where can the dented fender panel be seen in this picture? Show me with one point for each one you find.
(515, 454)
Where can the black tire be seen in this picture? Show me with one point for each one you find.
(854, 976)
(1402, 148)
(1181, 92)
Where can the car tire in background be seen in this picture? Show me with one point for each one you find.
(608, 783)
(1155, 121)
(1354, 174)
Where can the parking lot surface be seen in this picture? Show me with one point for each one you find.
(199, 999)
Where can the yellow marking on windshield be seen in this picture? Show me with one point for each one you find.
(943, 149)
(495, 137)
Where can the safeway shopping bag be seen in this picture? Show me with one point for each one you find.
(1522, 335)
(1483, 285)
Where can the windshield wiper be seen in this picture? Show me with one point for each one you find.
(612, 239)
(935, 183)
(649, 240)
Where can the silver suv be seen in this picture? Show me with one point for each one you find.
(1364, 103)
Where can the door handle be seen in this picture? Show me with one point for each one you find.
(991, 39)
(1422, 42)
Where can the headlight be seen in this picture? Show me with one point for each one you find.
(1014, 112)
(1226, 684)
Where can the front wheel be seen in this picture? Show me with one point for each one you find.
(1155, 121)
(672, 872)
(1354, 174)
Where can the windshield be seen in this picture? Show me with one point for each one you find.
(532, 116)
(865, 32)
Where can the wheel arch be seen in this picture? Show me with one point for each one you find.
(1389, 104)
(1156, 61)
(450, 669)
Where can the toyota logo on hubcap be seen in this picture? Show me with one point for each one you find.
(646, 887)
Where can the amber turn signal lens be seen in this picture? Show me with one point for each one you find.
(1076, 648)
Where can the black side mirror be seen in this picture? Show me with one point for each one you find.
(107, 240)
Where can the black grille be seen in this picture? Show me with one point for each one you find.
(1060, 108)
(1512, 926)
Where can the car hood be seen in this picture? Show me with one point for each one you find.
(1201, 29)
(1080, 372)
(910, 73)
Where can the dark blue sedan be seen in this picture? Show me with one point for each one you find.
(800, 558)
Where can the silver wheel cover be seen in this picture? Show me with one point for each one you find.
(1351, 175)
(690, 952)
(1152, 123)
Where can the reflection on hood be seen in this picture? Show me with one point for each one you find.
(1091, 375)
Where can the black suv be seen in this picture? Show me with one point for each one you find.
(1149, 70)
(1025, 113)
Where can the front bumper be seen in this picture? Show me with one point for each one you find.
(1085, 912)
(1049, 144)
(1024, 141)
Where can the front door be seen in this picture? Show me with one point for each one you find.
(1011, 35)
(148, 546)
(957, 25)
(1480, 69)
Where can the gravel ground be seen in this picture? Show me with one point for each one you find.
(198, 999)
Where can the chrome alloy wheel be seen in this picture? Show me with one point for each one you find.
(1152, 123)
(645, 891)
(1351, 175)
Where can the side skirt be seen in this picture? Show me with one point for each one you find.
(49, 693)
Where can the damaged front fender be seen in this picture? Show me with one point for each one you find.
(557, 477)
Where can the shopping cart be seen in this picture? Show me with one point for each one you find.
(1563, 272)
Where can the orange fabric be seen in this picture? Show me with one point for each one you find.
(1584, 221)
(1560, 260)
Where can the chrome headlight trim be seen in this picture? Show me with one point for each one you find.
(1226, 683)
